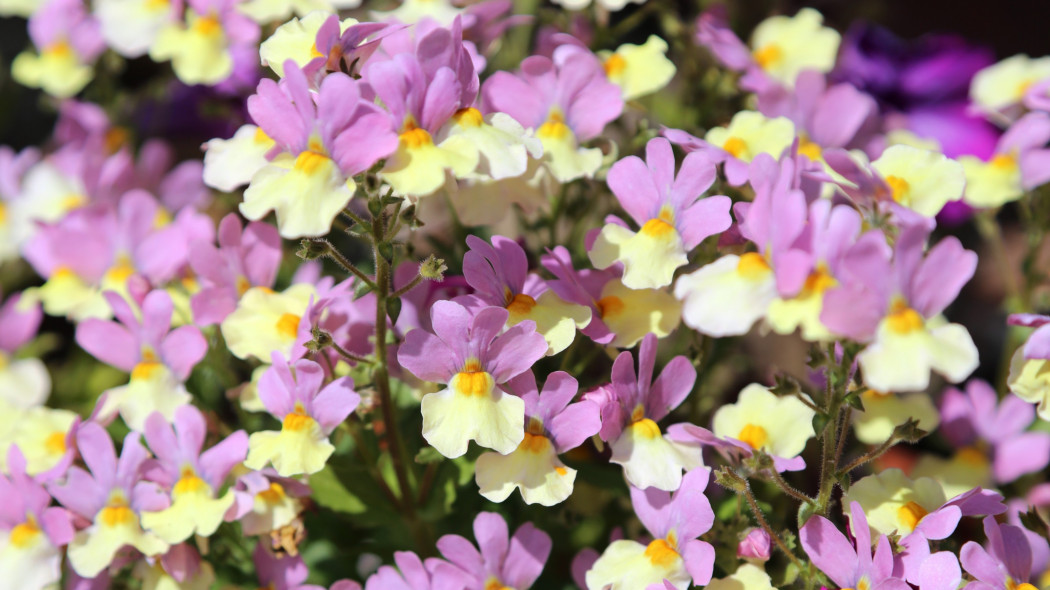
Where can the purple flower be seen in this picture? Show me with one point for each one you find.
(308, 410)
(475, 357)
(112, 497)
(1005, 563)
(672, 217)
(266, 501)
(503, 561)
(69, 40)
(850, 565)
(242, 260)
(1018, 164)
(755, 545)
(412, 573)
(24, 383)
(676, 558)
(192, 478)
(632, 405)
(284, 572)
(552, 426)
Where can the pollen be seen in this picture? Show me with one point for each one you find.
(752, 266)
(471, 383)
(898, 188)
(808, 148)
(297, 420)
(561, 471)
(243, 284)
(768, 55)
(819, 281)
(469, 117)
(413, 137)
(645, 428)
(55, 443)
(610, 305)
(121, 271)
(260, 136)
(754, 435)
(735, 146)
(309, 162)
(145, 370)
(972, 456)
(59, 49)
(660, 553)
(903, 319)
(522, 304)
(117, 512)
(657, 228)
(495, 584)
(614, 65)
(1003, 162)
(534, 443)
(910, 514)
(288, 325)
(24, 534)
(273, 494)
(189, 483)
(554, 127)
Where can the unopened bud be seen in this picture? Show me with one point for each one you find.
(312, 249)
(432, 269)
(756, 545)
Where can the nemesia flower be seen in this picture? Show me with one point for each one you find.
(280, 572)
(308, 413)
(243, 260)
(850, 565)
(498, 273)
(180, 568)
(266, 321)
(44, 191)
(231, 163)
(552, 426)
(192, 478)
(998, 90)
(566, 100)
(158, 360)
(202, 48)
(1018, 165)
(673, 217)
(475, 356)
(24, 383)
(884, 412)
(620, 316)
(269, 11)
(265, 501)
(920, 180)
(44, 437)
(131, 27)
(676, 554)
(756, 545)
(784, 46)
(31, 530)
(503, 561)
(760, 420)
(908, 340)
(321, 147)
(746, 577)
(748, 135)
(112, 497)
(318, 42)
(68, 41)
(1005, 563)
(638, 69)
(413, 573)
(631, 406)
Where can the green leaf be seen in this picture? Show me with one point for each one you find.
(332, 494)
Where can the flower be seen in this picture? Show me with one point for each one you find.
(552, 426)
(266, 321)
(1005, 563)
(266, 501)
(746, 577)
(503, 561)
(998, 89)
(24, 383)
(850, 565)
(638, 69)
(1019, 164)
(416, 574)
(631, 406)
(884, 412)
(68, 41)
(231, 163)
(308, 413)
(192, 478)
(748, 135)
(202, 48)
(673, 217)
(474, 356)
(920, 180)
(676, 554)
(112, 497)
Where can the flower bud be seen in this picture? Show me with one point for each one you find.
(754, 546)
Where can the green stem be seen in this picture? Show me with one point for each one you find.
(411, 285)
(871, 455)
(765, 525)
(337, 256)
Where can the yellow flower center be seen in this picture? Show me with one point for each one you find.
(521, 304)
(554, 127)
(189, 483)
(495, 584)
(614, 64)
(903, 319)
(60, 48)
(661, 552)
(768, 55)
(898, 188)
(73, 201)
(1003, 162)
(735, 146)
(808, 148)
(910, 514)
(476, 382)
(469, 117)
(297, 420)
(645, 428)
(610, 305)
(115, 138)
(1011, 585)
(413, 137)
(754, 435)
(656, 228)
(55, 443)
(145, 370)
(314, 52)
(261, 137)
(117, 512)
(534, 443)
(121, 271)
(309, 161)
(752, 266)
(273, 494)
(972, 456)
(24, 534)
(288, 325)
(819, 281)
(207, 26)
(3, 213)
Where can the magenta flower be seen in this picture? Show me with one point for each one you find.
(676, 558)
(632, 405)
(672, 217)
(850, 565)
(345, 51)
(309, 410)
(756, 545)
(552, 426)
(503, 561)
(34, 531)
(112, 497)
(242, 261)
(320, 146)
(475, 357)
(977, 420)
(567, 100)
(192, 478)
(412, 573)
(1005, 563)
(499, 275)
(158, 358)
